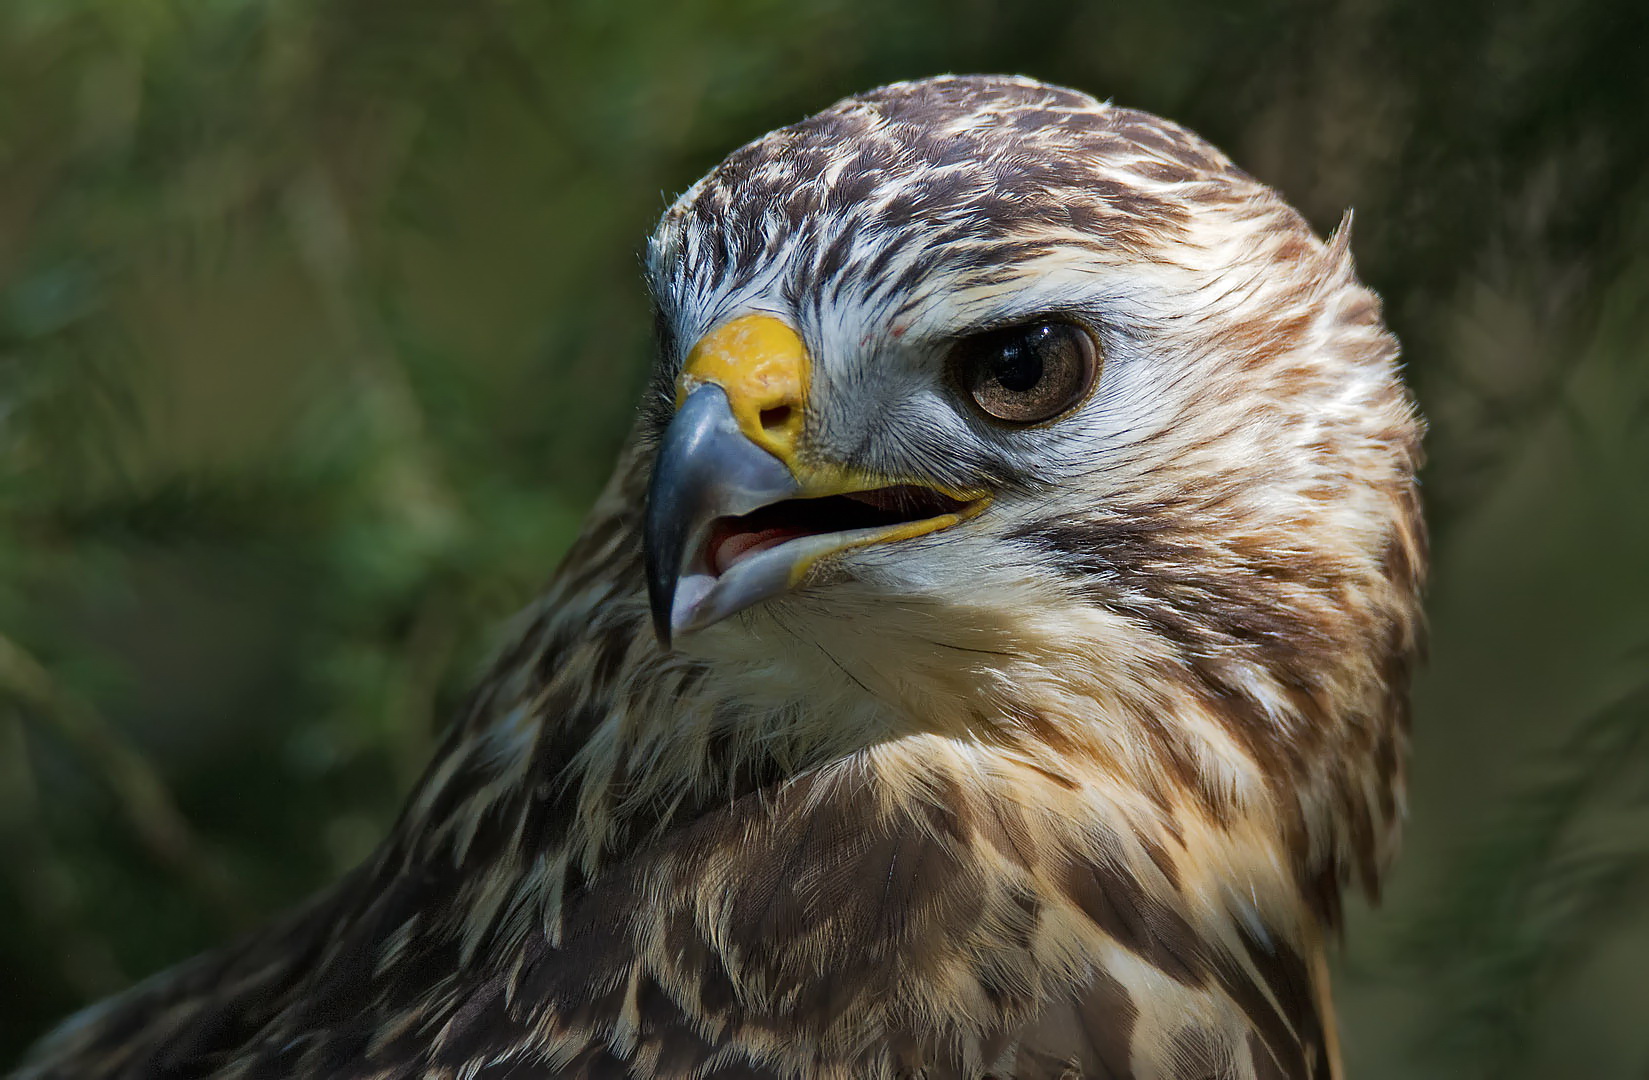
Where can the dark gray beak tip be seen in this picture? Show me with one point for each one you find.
(664, 541)
(661, 626)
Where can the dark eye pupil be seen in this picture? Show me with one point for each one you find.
(1028, 373)
(1018, 367)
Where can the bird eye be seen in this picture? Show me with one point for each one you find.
(1029, 373)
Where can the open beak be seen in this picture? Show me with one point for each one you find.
(735, 514)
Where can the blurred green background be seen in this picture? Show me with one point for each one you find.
(321, 320)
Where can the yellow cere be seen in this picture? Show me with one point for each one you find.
(763, 366)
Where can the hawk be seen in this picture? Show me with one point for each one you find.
(989, 658)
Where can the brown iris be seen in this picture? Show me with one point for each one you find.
(1030, 373)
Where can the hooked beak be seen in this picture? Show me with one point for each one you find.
(735, 515)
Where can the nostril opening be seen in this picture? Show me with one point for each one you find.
(776, 417)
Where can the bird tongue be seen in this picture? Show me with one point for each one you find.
(738, 543)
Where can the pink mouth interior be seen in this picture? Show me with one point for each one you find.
(733, 545)
(733, 539)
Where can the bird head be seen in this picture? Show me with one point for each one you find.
(980, 366)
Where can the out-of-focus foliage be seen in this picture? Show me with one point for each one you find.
(320, 321)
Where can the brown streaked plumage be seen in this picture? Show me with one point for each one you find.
(1060, 773)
